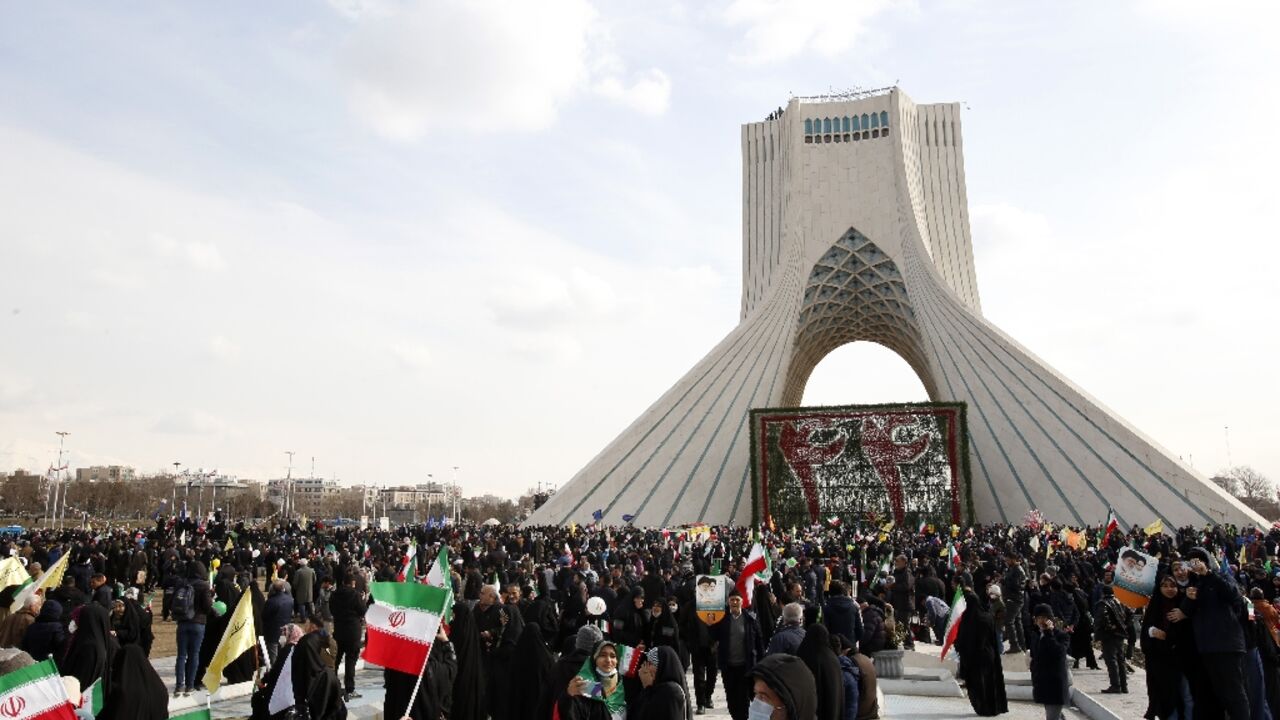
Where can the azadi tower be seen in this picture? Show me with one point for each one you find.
(855, 227)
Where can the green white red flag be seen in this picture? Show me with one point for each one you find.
(406, 569)
(402, 624)
(35, 692)
(757, 562)
(438, 575)
(92, 698)
(628, 659)
(958, 606)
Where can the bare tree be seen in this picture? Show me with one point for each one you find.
(1250, 483)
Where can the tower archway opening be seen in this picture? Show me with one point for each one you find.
(863, 373)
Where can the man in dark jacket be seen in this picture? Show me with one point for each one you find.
(787, 639)
(841, 614)
(46, 636)
(1013, 586)
(1110, 620)
(277, 612)
(740, 647)
(902, 596)
(1213, 604)
(1050, 685)
(348, 609)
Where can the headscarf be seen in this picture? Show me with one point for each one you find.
(815, 651)
(530, 669)
(292, 634)
(136, 691)
(668, 697)
(469, 685)
(610, 691)
(92, 648)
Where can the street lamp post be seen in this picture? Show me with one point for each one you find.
(286, 503)
(455, 494)
(62, 436)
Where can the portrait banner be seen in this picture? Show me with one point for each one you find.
(906, 464)
(709, 598)
(1135, 578)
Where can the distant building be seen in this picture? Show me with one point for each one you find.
(307, 495)
(111, 473)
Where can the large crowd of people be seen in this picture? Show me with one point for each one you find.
(594, 622)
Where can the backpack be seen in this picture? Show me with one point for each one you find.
(184, 602)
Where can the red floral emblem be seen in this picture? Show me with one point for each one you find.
(14, 706)
(396, 619)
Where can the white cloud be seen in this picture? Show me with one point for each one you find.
(484, 66)
(224, 349)
(650, 93)
(200, 255)
(411, 354)
(188, 422)
(781, 29)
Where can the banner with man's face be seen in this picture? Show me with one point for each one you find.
(709, 597)
(1135, 578)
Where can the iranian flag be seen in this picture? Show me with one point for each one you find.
(196, 714)
(91, 699)
(757, 561)
(35, 692)
(953, 622)
(402, 624)
(628, 659)
(409, 554)
(953, 555)
(1112, 525)
(438, 575)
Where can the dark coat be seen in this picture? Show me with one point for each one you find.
(852, 680)
(1049, 682)
(1214, 614)
(667, 698)
(980, 665)
(46, 636)
(276, 613)
(841, 616)
(751, 636)
(815, 650)
(786, 640)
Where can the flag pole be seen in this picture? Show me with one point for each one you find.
(408, 710)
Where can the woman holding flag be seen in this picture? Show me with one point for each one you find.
(980, 667)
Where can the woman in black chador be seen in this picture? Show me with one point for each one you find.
(135, 691)
(530, 670)
(980, 667)
(815, 651)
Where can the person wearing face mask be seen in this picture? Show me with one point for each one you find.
(783, 690)
(664, 629)
(596, 691)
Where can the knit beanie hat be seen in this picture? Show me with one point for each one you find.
(588, 636)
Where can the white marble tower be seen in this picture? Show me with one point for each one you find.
(855, 227)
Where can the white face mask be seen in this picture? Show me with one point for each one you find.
(609, 673)
(759, 710)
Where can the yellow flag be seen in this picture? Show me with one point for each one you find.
(887, 526)
(50, 581)
(13, 572)
(955, 530)
(1048, 551)
(239, 638)
(1155, 528)
(1243, 558)
(228, 546)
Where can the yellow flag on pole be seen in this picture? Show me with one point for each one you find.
(13, 572)
(51, 580)
(1155, 528)
(239, 638)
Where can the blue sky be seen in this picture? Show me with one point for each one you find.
(407, 236)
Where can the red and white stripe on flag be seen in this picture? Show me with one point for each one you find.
(756, 563)
(958, 606)
(628, 659)
(35, 692)
(402, 624)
